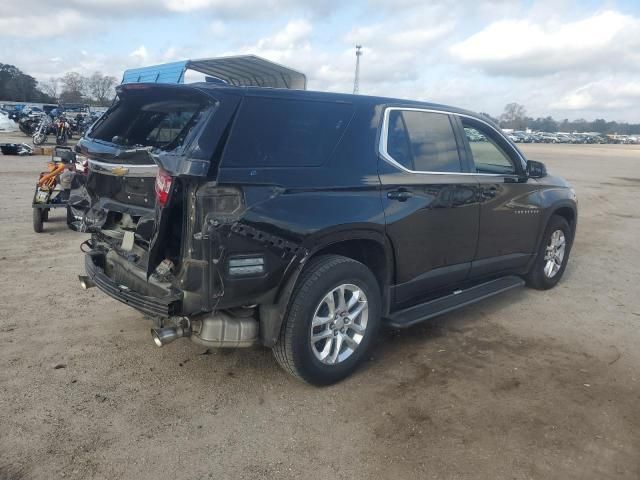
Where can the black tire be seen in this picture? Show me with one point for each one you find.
(293, 350)
(536, 277)
(37, 220)
(45, 214)
(39, 139)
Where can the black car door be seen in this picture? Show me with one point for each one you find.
(430, 201)
(509, 216)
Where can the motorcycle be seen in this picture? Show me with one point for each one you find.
(62, 127)
(77, 125)
(28, 124)
(43, 129)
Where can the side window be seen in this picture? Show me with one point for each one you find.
(422, 141)
(488, 157)
(273, 132)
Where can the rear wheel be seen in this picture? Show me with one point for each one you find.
(333, 316)
(37, 220)
(45, 214)
(553, 255)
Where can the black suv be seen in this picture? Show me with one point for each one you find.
(301, 221)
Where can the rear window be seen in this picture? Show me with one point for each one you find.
(150, 121)
(272, 132)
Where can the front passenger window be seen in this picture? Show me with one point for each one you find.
(487, 154)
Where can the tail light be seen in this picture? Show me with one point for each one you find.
(163, 187)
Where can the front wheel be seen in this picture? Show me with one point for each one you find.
(37, 220)
(553, 255)
(333, 316)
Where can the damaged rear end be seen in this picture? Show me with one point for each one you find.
(151, 203)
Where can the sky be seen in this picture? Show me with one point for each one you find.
(565, 58)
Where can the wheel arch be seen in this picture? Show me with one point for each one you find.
(567, 209)
(568, 213)
(369, 247)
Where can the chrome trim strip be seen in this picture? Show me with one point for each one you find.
(107, 168)
(382, 147)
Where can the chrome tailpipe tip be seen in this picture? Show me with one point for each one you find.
(162, 336)
(85, 282)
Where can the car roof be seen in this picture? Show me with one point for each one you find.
(211, 88)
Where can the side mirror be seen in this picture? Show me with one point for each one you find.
(536, 169)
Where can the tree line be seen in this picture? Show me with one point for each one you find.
(96, 89)
(72, 87)
(17, 86)
(515, 116)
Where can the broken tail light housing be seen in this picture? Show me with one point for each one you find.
(163, 187)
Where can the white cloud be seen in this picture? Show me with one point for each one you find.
(290, 45)
(39, 26)
(140, 54)
(249, 8)
(477, 55)
(295, 34)
(606, 94)
(525, 48)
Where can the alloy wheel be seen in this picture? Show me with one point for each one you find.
(554, 254)
(339, 324)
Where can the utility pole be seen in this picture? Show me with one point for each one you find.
(356, 81)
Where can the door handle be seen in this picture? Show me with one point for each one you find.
(490, 192)
(400, 195)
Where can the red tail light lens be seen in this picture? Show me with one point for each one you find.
(163, 187)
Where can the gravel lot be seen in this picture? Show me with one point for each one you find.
(527, 385)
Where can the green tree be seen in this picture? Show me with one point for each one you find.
(514, 116)
(74, 88)
(17, 86)
(101, 88)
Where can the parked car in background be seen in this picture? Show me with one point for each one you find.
(546, 137)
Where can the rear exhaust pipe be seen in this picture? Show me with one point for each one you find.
(162, 336)
(85, 282)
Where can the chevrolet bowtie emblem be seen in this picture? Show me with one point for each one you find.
(119, 171)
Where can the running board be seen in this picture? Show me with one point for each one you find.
(458, 299)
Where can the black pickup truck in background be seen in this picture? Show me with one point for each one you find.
(301, 221)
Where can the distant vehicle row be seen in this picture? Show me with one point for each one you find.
(563, 137)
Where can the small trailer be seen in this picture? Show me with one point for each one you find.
(54, 185)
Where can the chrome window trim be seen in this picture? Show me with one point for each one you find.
(133, 170)
(382, 147)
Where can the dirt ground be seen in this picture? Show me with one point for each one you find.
(528, 385)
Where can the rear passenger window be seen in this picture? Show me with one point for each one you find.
(273, 132)
(422, 141)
